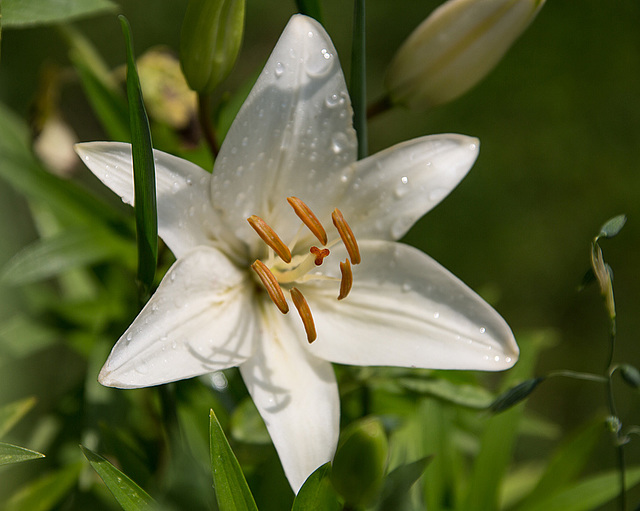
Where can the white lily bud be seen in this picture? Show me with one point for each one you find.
(454, 48)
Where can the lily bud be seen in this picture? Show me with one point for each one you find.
(455, 48)
(210, 41)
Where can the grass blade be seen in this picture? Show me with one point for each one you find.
(14, 454)
(144, 173)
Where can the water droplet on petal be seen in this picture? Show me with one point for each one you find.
(279, 69)
(406, 287)
(319, 64)
(483, 330)
(332, 100)
(339, 142)
(129, 337)
(436, 315)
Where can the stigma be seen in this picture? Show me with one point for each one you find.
(278, 275)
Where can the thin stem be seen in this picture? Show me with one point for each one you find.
(359, 78)
(204, 116)
(310, 8)
(579, 376)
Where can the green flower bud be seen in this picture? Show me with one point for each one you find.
(359, 463)
(210, 41)
(454, 48)
(515, 395)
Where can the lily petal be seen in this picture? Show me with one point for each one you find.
(185, 216)
(389, 191)
(406, 310)
(297, 396)
(201, 319)
(292, 136)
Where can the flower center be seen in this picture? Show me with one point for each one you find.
(287, 268)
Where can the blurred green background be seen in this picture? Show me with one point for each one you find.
(558, 121)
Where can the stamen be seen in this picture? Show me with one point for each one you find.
(308, 218)
(320, 254)
(270, 237)
(305, 313)
(347, 279)
(270, 283)
(346, 234)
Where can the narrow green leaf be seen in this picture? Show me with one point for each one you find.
(27, 13)
(44, 493)
(11, 413)
(587, 494)
(144, 173)
(101, 89)
(499, 435)
(317, 493)
(566, 464)
(515, 395)
(358, 83)
(128, 494)
(310, 8)
(612, 226)
(232, 491)
(14, 454)
(48, 257)
(396, 488)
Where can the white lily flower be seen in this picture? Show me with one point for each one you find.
(288, 165)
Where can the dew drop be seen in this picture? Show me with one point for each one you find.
(339, 142)
(279, 69)
(436, 315)
(332, 100)
(404, 180)
(175, 188)
(189, 181)
(129, 337)
(483, 330)
(319, 64)
(472, 147)
(406, 287)
(507, 360)
(245, 141)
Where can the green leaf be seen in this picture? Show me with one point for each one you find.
(498, 438)
(48, 257)
(26, 13)
(128, 494)
(232, 491)
(317, 493)
(14, 454)
(11, 413)
(45, 493)
(310, 8)
(360, 460)
(612, 226)
(587, 494)
(515, 395)
(396, 488)
(470, 396)
(566, 464)
(144, 171)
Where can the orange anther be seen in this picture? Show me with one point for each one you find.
(346, 234)
(305, 313)
(270, 283)
(347, 279)
(320, 254)
(270, 237)
(308, 218)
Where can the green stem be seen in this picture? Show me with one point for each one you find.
(204, 116)
(310, 8)
(579, 376)
(359, 78)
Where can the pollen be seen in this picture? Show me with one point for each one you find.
(270, 237)
(320, 254)
(346, 234)
(305, 313)
(308, 218)
(347, 279)
(270, 283)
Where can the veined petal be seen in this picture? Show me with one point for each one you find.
(185, 216)
(389, 191)
(201, 319)
(292, 137)
(296, 395)
(406, 310)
